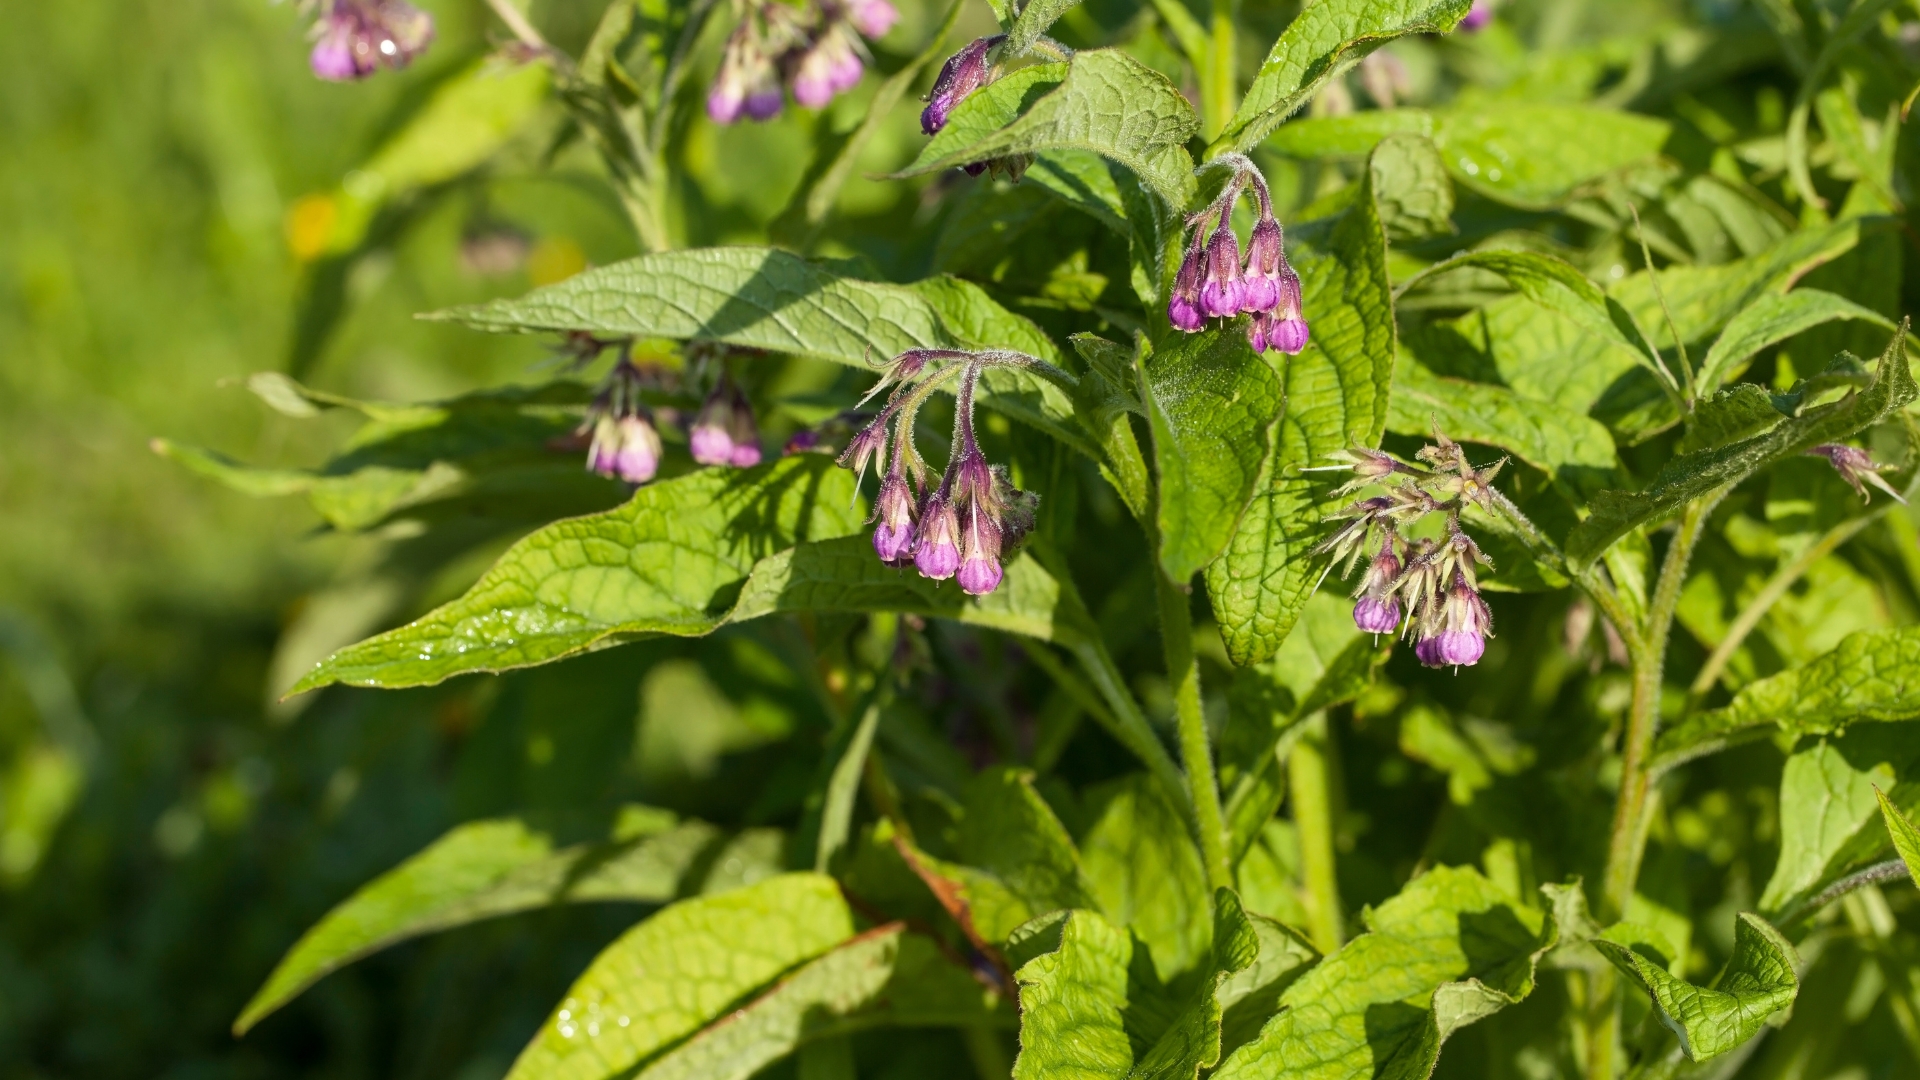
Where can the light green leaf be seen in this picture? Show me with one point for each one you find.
(1826, 799)
(1211, 403)
(1351, 136)
(1336, 392)
(1758, 982)
(679, 971)
(1769, 320)
(1144, 869)
(1102, 101)
(483, 870)
(1572, 449)
(1617, 513)
(1906, 835)
(764, 298)
(1448, 950)
(1411, 188)
(1554, 284)
(243, 478)
(670, 561)
(884, 977)
(1870, 676)
(1520, 153)
(1322, 42)
(466, 121)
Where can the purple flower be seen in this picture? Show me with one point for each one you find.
(626, 448)
(355, 38)
(893, 511)
(747, 83)
(1289, 331)
(1258, 328)
(1376, 616)
(1260, 288)
(962, 74)
(831, 67)
(872, 18)
(724, 433)
(1458, 630)
(1378, 609)
(1183, 307)
(936, 548)
(1857, 468)
(1220, 291)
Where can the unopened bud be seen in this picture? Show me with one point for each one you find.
(962, 74)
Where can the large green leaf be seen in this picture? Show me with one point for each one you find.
(1336, 398)
(1573, 449)
(764, 298)
(671, 561)
(1323, 41)
(1144, 868)
(1102, 101)
(1870, 676)
(1087, 1011)
(1211, 402)
(486, 869)
(1617, 513)
(1758, 982)
(1556, 285)
(884, 977)
(1450, 949)
(1520, 153)
(1828, 795)
(1769, 320)
(679, 971)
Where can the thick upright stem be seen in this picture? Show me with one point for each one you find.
(1311, 793)
(1196, 754)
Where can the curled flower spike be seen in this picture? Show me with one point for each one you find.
(724, 433)
(815, 44)
(355, 38)
(963, 73)
(1858, 469)
(625, 444)
(1211, 283)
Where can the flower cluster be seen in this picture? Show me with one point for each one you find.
(724, 433)
(963, 526)
(814, 48)
(1857, 468)
(626, 445)
(355, 38)
(1425, 587)
(1212, 283)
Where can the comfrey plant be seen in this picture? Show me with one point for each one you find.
(1059, 759)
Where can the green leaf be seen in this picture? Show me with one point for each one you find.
(1617, 513)
(1336, 392)
(1036, 16)
(1411, 188)
(1554, 284)
(1086, 1012)
(884, 977)
(1211, 402)
(1573, 449)
(483, 870)
(1351, 136)
(1827, 798)
(679, 971)
(1905, 835)
(1520, 153)
(843, 786)
(1449, 950)
(1758, 982)
(1102, 101)
(1737, 412)
(1322, 42)
(764, 298)
(1870, 676)
(670, 561)
(1084, 180)
(1144, 869)
(1769, 320)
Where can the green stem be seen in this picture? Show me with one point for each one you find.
(1183, 670)
(1647, 649)
(1763, 601)
(1310, 781)
(1217, 96)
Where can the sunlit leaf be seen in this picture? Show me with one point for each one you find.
(1758, 982)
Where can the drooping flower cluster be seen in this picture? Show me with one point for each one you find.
(355, 38)
(1425, 587)
(1857, 468)
(724, 433)
(966, 524)
(1212, 283)
(814, 48)
(626, 446)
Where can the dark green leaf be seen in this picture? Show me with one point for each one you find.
(1758, 982)
(1323, 41)
(1336, 393)
(1211, 402)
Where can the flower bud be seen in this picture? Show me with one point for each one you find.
(936, 547)
(873, 18)
(1289, 331)
(893, 518)
(1183, 307)
(869, 444)
(1260, 288)
(962, 74)
(1258, 329)
(1221, 291)
(1857, 468)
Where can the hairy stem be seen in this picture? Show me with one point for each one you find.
(1311, 793)
(1647, 649)
(1763, 601)
(1196, 754)
(1891, 870)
